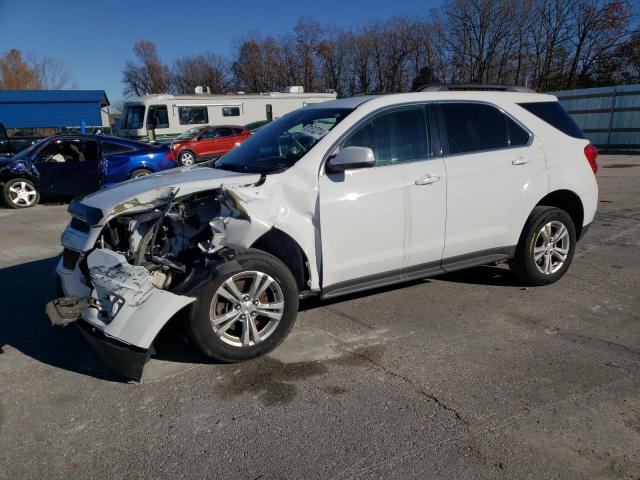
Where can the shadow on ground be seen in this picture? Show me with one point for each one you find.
(24, 291)
(26, 288)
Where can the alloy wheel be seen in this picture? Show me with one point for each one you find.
(551, 247)
(22, 194)
(246, 309)
(187, 158)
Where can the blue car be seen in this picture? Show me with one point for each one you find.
(70, 165)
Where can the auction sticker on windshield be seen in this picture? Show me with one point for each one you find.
(314, 131)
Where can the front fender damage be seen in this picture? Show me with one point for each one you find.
(149, 261)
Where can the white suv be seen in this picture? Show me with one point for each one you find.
(330, 199)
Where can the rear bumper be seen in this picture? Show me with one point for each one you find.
(125, 360)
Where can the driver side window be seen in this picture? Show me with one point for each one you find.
(69, 151)
(395, 137)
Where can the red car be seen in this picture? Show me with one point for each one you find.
(201, 143)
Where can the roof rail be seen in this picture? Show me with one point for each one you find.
(447, 87)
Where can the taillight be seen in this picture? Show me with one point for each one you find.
(591, 153)
(169, 155)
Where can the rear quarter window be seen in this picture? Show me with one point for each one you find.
(473, 127)
(556, 116)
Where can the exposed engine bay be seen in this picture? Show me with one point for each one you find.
(171, 240)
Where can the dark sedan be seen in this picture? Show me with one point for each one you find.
(71, 165)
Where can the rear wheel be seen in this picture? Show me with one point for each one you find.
(140, 172)
(546, 247)
(20, 193)
(245, 313)
(187, 157)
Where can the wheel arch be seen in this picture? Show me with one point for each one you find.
(286, 249)
(140, 167)
(570, 202)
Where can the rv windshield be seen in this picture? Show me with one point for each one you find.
(279, 145)
(133, 116)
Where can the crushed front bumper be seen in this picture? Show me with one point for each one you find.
(126, 360)
(121, 315)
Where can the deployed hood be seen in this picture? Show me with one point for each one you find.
(144, 192)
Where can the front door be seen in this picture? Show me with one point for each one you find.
(388, 217)
(69, 167)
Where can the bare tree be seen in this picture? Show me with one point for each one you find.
(149, 75)
(208, 70)
(53, 74)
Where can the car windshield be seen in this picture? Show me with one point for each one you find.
(279, 145)
(27, 151)
(192, 132)
(133, 116)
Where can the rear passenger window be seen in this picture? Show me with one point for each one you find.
(554, 115)
(225, 132)
(474, 127)
(109, 148)
(395, 137)
(518, 136)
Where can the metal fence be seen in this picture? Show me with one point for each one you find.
(608, 116)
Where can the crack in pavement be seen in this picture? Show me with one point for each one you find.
(420, 390)
(370, 467)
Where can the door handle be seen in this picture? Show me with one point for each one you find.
(427, 179)
(520, 161)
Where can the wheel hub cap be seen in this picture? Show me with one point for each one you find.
(551, 247)
(246, 309)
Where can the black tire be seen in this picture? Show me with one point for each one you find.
(8, 196)
(184, 154)
(524, 265)
(199, 322)
(140, 172)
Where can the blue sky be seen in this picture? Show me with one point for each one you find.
(94, 38)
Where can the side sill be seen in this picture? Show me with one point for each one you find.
(419, 271)
(484, 257)
(382, 280)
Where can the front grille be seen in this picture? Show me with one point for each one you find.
(70, 258)
(80, 225)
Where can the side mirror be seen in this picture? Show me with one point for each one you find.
(351, 157)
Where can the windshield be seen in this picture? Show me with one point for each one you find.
(27, 151)
(192, 132)
(282, 143)
(133, 116)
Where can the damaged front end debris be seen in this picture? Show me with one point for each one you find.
(148, 260)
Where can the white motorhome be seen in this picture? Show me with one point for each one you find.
(172, 115)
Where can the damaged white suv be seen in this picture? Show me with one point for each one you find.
(330, 199)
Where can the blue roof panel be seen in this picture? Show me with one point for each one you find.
(51, 108)
(59, 96)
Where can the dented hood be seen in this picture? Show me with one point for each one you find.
(144, 192)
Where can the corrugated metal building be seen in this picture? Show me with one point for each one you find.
(31, 109)
(608, 116)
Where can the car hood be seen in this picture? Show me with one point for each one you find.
(142, 193)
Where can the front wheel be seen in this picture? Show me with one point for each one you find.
(246, 313)
(546, 247)
(187, 158)
(20, 193)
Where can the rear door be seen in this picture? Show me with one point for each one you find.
(496, 173)
(225, 141)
